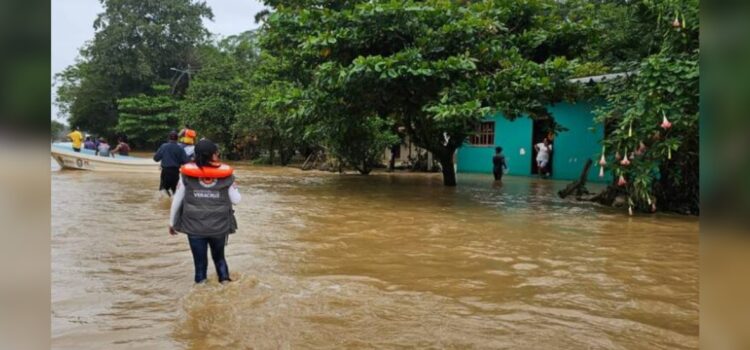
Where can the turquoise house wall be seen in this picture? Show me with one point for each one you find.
(571, 148)
(512, 136)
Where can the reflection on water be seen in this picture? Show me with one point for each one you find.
(324, 260)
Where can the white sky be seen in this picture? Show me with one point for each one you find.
(73, 25)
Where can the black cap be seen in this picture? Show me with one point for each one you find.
(206, 148)
(172, 135)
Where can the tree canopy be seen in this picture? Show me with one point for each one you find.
(652, 118)
(433, 67)
(352, 76)
(147, 119)
(217, 95)
(135, 46)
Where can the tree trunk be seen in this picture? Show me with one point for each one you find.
(579, 186)
(449, 173)
(683, 199)
(364, 168)
(609, 196)
(392, 161)
(272, 151)
(286, 155)
(309, 161)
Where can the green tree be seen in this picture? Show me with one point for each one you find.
(135, 46)
(360, 144)
(433, 67)
(273, 115)
(57, 130)
(652, 118)
(147, 119)
(217, 94)
(270, 117)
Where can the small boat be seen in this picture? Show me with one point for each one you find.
(64, 155)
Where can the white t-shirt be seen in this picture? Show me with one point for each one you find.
(103, 149)
(543, 151)
(189, 150)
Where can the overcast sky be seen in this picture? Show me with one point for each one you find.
(73, 25)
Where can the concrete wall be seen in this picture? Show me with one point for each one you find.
(570, 150)
(407, 148)
(512, 137)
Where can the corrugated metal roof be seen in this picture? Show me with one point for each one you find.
(600, 78)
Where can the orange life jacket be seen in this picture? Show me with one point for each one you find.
(188, 137)
(209, 172)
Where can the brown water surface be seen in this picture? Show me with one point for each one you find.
(388, 261)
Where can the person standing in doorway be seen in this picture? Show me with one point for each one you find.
(172, 157)
(498, 164)
(543, 149)
(77, 138)
(202, 209)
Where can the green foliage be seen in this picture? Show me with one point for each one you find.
(271, 112)
(665, 87)
(217, 94)
(343, 75)
(663, 169)
(360, 144)
(135, 45)
(57, 130)
(271, 115)
(147, 120)
(434, 67)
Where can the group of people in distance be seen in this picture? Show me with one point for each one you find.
(99, 145)
(543, 152)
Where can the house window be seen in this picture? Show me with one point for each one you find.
(485, 135)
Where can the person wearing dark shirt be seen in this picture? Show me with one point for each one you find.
(172, 157)
(498, 164)
(122, 148)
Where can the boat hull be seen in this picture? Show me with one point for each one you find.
(68, 159)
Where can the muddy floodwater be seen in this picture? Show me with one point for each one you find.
(385, 261)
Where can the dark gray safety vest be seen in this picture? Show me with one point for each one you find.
(206, 209)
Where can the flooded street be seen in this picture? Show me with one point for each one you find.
(387, 261)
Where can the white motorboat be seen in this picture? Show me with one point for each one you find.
(64, 155)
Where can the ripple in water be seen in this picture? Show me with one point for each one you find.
(328, 261)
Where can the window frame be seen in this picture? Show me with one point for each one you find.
(483, 135)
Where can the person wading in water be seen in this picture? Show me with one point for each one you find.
(187, 140)
(172, 157)
(202, 209)
(498, 164)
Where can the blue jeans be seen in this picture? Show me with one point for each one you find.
(199, 247)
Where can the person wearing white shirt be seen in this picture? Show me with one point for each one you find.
(543, 149)
(202, 209)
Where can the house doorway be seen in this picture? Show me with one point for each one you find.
(541, 128)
